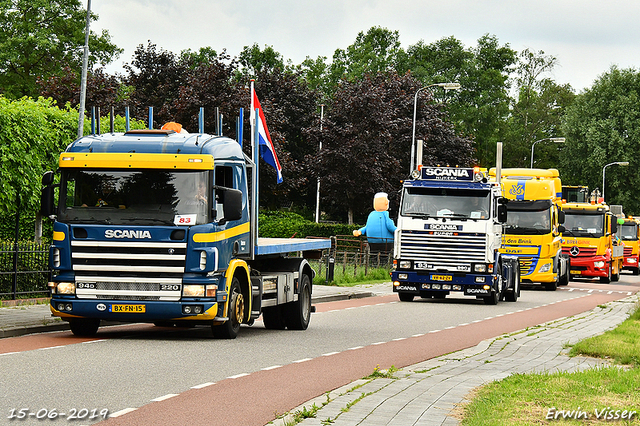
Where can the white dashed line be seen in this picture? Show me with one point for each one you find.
(302, 360)
(162, 398)
(355, 347)
(273, 367)
(94, 341)
(237, 376)
(122, 412)
(418, 335)
(399, 338)
(50, 347)
(204, 385)
(378, 343)
(330, 353)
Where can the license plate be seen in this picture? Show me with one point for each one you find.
(129, 309)
(442, 277)
(575, 272)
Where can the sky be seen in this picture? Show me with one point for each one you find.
(586, 36)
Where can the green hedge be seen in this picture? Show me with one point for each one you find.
(282, 224)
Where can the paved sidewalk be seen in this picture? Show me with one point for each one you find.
(28, 319)
(425, 394)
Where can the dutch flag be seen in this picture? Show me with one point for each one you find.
(267, 150)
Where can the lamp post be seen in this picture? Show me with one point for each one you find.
(445, 86)
(556, 140)
(619, 163)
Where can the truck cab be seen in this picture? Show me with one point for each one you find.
(156, 226)
(448, 237)
(533, 228)
(628, 232)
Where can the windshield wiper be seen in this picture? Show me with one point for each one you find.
(149, 219)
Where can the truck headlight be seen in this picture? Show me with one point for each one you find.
(405, 264)
(193, 290)
(66, 288)
(631, 260)
(403, 276)
(480, 267)
(599, 264)
(546, 267)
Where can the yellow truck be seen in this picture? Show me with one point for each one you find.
(533, 228)
(590, 243)
(628, 232)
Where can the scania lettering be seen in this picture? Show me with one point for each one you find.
(118, 233)
(448, 238)
(161, 227)
(533, 231)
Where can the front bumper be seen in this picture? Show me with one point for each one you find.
(586, 267)
(412, 282)
(132, 311)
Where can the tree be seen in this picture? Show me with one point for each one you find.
(536, 112)
(481, 107)
(366, 140)
(32, 134)
(38, 36)
(603, 126)
(156, 76)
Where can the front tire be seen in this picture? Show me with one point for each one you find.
(84, 327)
(607, 279)
(230, 329)
(405, 297)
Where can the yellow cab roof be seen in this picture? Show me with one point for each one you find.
(537, 174)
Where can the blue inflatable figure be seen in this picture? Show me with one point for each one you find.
(379, 228)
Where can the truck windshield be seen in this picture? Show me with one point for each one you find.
(140, 197)
(523, 222)
(584, 225)
(628, 232)
(439, 202)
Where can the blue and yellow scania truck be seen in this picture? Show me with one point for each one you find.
(161, 227)
(533, 231)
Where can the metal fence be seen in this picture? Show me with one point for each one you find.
(24, 269)
(350, 258)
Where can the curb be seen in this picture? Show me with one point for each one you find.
(64, 325)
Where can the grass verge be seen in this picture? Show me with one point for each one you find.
(595, 396)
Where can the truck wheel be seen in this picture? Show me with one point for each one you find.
(636, 271)
(84, 327)
(405, 297)
(230, 329)
(491, 300)
(552, 286)
(615, 277)
(298, 314)
(273, 318)
(564, 280)
(607, 279)
(512, 295)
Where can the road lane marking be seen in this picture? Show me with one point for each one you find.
(203, 385)
(164, 397)
(237, 376)
(302, 360)
(273, 367)
(122, 412)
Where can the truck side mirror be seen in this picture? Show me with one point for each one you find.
(232, 205)
(46, 201)
(47, 195)
(561, 216)
(502, 213)
(614, 226)
(47, 178)
(561, 229)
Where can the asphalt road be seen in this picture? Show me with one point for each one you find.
(183, 376)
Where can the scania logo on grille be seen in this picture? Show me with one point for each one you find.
(126, 233)
(574, 251)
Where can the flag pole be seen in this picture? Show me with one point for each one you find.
(253, 116)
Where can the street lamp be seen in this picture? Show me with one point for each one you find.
(619, 163)
(556, 140)
(445, 86)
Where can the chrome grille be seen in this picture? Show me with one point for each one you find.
(443, 251)
(527, 265)
(129, 270)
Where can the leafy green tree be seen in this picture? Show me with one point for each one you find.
(32, 134)
(603, 126)
(372, 52)
(38, 37)
(366, 139)
(481, 107)
(536, 112)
